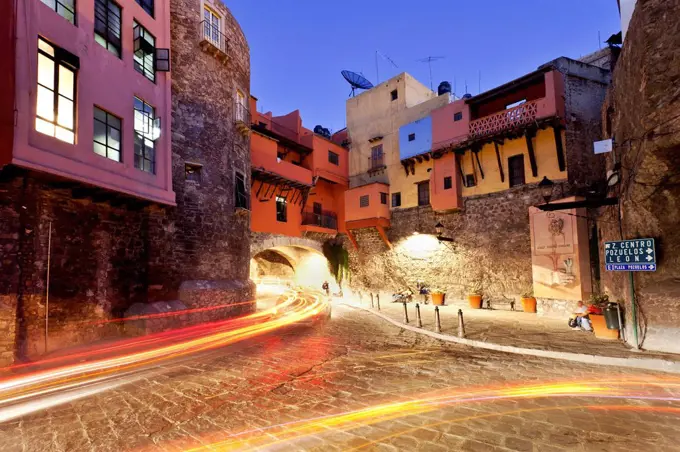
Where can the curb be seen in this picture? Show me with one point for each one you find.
(634, 363)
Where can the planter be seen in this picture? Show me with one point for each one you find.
(475, 301)
(438, 299)
(528, 304)
(600, 328)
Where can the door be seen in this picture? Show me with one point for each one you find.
(424, 193)
(316, 208)
(516, 170)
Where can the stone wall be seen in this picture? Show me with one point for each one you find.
(644, 111)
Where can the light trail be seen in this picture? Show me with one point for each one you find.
(619, 388)
(32, 391)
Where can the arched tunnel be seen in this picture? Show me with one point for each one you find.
(291, 264)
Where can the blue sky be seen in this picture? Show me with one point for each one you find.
(299, 47)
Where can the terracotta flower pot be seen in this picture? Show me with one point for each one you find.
(600, 328)
(438, 299)
(475, 301)
(528, 304)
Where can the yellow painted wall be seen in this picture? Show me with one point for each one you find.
(546, 161)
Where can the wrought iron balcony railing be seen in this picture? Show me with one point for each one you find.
(509, 119)
(212, 39)
(328, 220)
(376, 162)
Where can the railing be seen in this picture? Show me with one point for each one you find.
(504, 120)
(241, 113)
(328, 220)
(211, 34)
(376, 162)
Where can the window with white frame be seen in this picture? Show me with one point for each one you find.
(241, 111)
(147, 129)
(56, 92)
(211, 26)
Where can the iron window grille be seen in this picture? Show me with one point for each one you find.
(383, 198)
(424, 193)
(516, 170)
(144, 50)
(448, 183)
(396, 199)
(363, 201)
(147, 131)
(192, 172)
(65, 8)
(147, 5)
(107, 25)
(107, 135)
(281, 209)
(56, 92)
(470, 180)
(333, 158)
(241, 193)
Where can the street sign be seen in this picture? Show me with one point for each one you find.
(637, 255)
(603, 147)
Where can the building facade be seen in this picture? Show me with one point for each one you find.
(472, 165)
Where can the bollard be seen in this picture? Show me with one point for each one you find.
(461, 324)
(372, 300)
(437, 321)
(405, 313)
(419, 320)
(377, 297)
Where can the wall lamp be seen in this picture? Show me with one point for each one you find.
(439, 227)
(546, 186)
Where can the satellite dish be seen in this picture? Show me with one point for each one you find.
(356, 81)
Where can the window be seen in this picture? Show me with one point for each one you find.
(281, 210)
(516, 104)
(363, 201)
(516, 170)
(107, 25)
(241, 194)
(107, 134)
(396, 199)
(317, 208)
(377, 156)
(394, 94)
(411, 137)
(211, 26)
(56, 93)
(458, 116)
(448, 183)
(192, 172)
(424, 193)
(383, 198)
(241, 109)
(146, 130)
(145, 47)
(333, 158)
(470, 180)
(65, 8)
(147, 5)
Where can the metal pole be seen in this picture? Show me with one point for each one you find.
(636, 344)
(461, 324)
(419, 320)
(372, 306)
(437, 320)
(621, 328)
(47, 285)
(405, 313)
(377, 298)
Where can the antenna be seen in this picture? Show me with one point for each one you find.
(599, 40)
(356, 81)
(429, 61)
(384, 57)
(480, 82)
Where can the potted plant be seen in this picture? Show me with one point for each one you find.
(438, 296)
(598, 322)
(475, 295)
(528, 300)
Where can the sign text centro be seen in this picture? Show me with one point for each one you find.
(630, 255)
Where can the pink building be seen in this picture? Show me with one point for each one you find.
(87, 95)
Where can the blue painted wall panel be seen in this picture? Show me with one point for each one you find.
(422, 142)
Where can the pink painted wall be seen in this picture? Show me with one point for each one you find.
(7, 80)
(553, 102)
(103, 79)
(441, 199)
(446, 131)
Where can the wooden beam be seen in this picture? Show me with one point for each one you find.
(479, 164)
(532, 157)
(381, 231)
(426, 157)
(257, 195)
(352, 239)
(500, 164)
(413, 168)
(560, 149)
(419, 159)
(460, 169)
(405, 165)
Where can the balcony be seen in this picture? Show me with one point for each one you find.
(376, 162)
(213, 41)
(512, 118)
(242, 118)
(320, 222)
(267, 162)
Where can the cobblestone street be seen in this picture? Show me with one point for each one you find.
(354, 362)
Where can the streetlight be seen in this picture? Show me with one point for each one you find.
(546, 186)
(439, 227)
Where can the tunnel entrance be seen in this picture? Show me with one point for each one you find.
(291, 264)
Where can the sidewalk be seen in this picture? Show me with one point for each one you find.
(522, 333)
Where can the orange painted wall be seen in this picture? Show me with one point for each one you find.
(375, 209)
(331, 197)
(263, 214)
(320, 165)
(263, 155)
(441, 199)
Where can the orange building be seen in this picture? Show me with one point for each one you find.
(299, 176)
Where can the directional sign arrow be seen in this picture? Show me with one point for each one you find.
(650, 258)
(652, 267)
(607, 245)
(650, 251)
